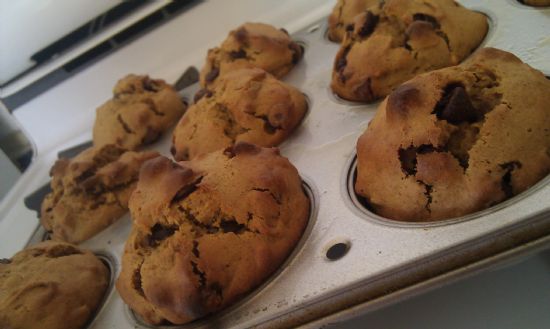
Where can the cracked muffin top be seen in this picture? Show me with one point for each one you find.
(457, 140)
(252, 45)
(245, 105)
(90, 192)
(138, 114)
(208, 231)
(343, 14)
(391, 43)
(51, 285)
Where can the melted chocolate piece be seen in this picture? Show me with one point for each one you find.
(212, 75)
(238, 54)
(455, 106)
(202, 93)
(369, 25)
(160, 232)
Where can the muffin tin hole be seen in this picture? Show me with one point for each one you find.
(337, 250)
(214, 319)
(362, 208)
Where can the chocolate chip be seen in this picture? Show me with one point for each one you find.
(241, 35)
(341, 62)
(407, 157)
(212, 75)
(455, 106)
(150, 85)
(5, 261)
(241, 53)
(369, 25)
(427, 18)
(160, 232)
(185, 191)
(506, 181)
(349, 28)
(201, 93)
(231, 225)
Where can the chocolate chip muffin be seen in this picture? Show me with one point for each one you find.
(457, 140)
(90, 192)
(245, 105)
(536, 3)
(51, 285)
(390, 44)
(252, 45)
(343, 14)
(208, 231)
(139, 112)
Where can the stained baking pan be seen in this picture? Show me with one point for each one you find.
(350, 259)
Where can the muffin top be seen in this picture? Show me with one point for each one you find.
(389, 44)
(252, 45)
(245, 105)
(52, 285)
(457, 140)
(90, 191)
(141, 110)
(208, 231)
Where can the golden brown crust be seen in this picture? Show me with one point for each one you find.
(208, 231)
(342, 16)
(245, 105)
(457, 140)
(252, 45)
(51, 285)
(139, 112)
(392, 44)
(90, 192)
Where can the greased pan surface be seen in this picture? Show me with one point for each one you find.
(379, 256)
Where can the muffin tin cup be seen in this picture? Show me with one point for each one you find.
(348, 257)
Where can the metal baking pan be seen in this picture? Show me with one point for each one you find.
(374, 260)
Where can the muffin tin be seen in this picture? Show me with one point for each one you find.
(348, 257)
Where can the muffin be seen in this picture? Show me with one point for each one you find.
(90, 192)
(252, 45)
(390, 44)
(208, 231)
(52, 285)
(245, 105)
(141, 110)
(457, 140)
(343, 14)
